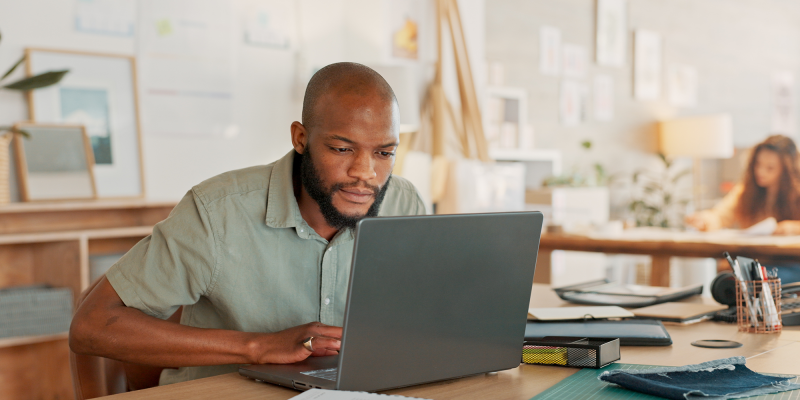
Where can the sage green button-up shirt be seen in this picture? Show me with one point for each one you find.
(237, 254)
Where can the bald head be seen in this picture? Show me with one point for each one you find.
(340, 80)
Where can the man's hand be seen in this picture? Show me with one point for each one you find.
(104, 326)
(702, 221)
(788, 228)
(286, 347)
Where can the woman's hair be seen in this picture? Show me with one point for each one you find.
(752, 202)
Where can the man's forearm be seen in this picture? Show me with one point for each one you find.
(104, 327)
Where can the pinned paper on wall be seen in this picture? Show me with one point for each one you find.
(404, 27)
(186, 61)
(611, 39)
(647, 65)
(549, 50)
(572, 103)
(106, 17)
(784, 118)
(603, 96)
(269, 23)
(682, 85)
(574, 62)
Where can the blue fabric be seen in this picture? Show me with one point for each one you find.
(727, 378)
(789, 272)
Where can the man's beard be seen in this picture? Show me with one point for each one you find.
(311, 181)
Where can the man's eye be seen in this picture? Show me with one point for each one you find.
(341, 149)
(386, 153)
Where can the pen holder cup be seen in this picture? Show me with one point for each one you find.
(754, 306)
(571, 351)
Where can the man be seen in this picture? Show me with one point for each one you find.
(259, 258)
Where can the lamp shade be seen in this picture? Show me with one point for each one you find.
(697, 137)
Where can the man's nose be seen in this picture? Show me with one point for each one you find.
(363, 167)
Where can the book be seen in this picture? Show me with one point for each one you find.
(683, 313)
(577, 313)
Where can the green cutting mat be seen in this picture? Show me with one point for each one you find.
(585, 385)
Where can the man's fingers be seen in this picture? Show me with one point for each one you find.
(324, 353)
(323, 344)
(328, 331)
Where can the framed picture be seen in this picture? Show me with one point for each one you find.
(55, 163)
(99, 92)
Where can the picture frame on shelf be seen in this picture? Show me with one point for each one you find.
(99, 93)
(55, 163)
(506, 121)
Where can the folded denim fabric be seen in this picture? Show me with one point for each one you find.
(727, 378)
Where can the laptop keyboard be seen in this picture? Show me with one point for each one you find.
(329, 373)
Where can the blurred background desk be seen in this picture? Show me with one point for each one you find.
(527, 381)
(51, 243)
(661, 245)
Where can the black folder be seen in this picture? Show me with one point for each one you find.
(631, 332)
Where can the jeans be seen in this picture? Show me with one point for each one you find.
(727, 378)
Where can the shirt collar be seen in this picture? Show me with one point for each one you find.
(282, 208)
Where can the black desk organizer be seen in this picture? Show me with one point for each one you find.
(571, 351)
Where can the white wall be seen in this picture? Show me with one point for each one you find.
(268, 83)
(735, 45)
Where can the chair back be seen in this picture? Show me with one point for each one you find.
(98, 376)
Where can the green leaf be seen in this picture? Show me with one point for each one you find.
(10, 71)
(680, 175)
(664, 159)
(38, 81)
(586, 144)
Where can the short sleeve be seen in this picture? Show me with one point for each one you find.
(173, 266)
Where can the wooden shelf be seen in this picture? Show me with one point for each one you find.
(113, 233)
(51, 243)
(82, 205)
(26, 340)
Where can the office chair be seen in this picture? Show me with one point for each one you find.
(97, 376)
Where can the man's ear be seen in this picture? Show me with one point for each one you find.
(299, 137)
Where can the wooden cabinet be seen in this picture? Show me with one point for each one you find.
(51, 243)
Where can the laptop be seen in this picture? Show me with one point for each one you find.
(429, 298)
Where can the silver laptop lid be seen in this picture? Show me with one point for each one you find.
(437, 297)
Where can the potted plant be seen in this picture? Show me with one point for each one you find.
(658, 201)
(7, 132)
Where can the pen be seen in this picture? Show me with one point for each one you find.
(729, 258)
(737, 271)
(770, 312)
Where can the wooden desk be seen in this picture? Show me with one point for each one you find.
(51, 243)
(766, 353)
(662, 245)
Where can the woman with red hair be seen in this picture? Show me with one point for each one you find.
(770, 188)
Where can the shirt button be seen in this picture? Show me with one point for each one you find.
(330, 248)
(327, 301)
(301, 231)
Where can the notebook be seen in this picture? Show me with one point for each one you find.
(322, 394)
(631, 332)
(679, 312)
(578, 313)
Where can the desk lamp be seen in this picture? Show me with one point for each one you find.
(699, 138)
